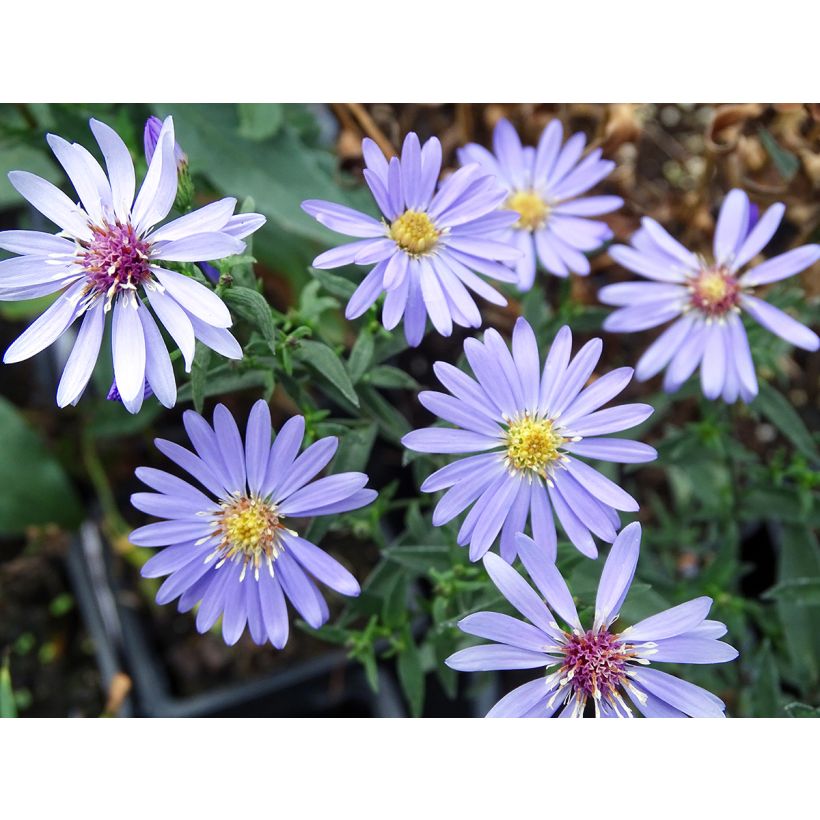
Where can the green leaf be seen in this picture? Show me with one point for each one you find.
(411, 674)
(786, 162)
(333, 283)
(258, 121)
(799, 591)
(394, 609)
(388, 377)
(421, 558)
(35, 491)
(766, 689)
(199, 374)
(801, 710)
(251, 306)
(8, 708)
(327, 365)
(227, 379)
(361, 355)
(779, 411)
(799, 558)
(392, 423)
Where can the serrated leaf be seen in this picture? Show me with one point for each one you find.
(251, 306)
(319, 357)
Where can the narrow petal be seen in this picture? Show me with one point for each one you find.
(322, 567)
(732, 226)
(257, 445)
(494, 656)
(52, 203)
(670, 622)
(495, 626)
(759, 236)
(83, 356)
(128, 347)
(780, 323)
(521, 700)
(199, 247)
(159, 372)
(685, 649)
(194, 297)
(617, 574)
(680, 694)
(119, 166)
(445, 440)
(782, 266)
(548, 580)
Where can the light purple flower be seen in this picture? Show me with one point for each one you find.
(233, 550)
(706, 298)
(597, 664)
(150, 138)
(531, 430)
(428, 246)
(544, 186)
(106, 254)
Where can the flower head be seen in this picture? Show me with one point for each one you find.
(706, 298)
(150, 138)
(543, 186)
(107, 255)
(428, 245)
(599, 665)
(235, 550)
(530, 428)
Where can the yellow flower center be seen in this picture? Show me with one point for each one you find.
(250, 530)
(714, 291)
(532, 444)
(414, 232)
(713, 287)
(531, 209)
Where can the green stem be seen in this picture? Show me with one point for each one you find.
(114, 525)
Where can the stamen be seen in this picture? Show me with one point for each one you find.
(531, 208)
(414, 232)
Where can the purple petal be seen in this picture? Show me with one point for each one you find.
(83, 356)
(169, 532)
(445, 440)
(274, 610)
(548, 580)
(52, 203)
(714, 365)
(257, 445)
(324, 491)
(342, 219)
(192, 464)
(194, 297)
(298, 590)
(128, 346)
(598, 393)
(119, 166)
(175, 320)
(612, 420)
(314, 459)
(780, 323)
(661, 351)
(159, 188)
(759, 236)
(282, 453)
(781, 267)
(670, 622)
(669, 245)
(368, 290)
(732, 225)
(686, 649)
(521, 700)
(205, 220)
(322, 567)
(617, 574)
(506, 630)
(159, 372)
(613, 449)
(494, 656)
(200, 246)
(688, 698)
(518, 592)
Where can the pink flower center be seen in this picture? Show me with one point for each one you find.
(714, 291)
(595, 661)
(115, 259)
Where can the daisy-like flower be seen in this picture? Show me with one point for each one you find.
(706, 298)
(107, 254)
(543, 186)
(428, 246)
(601, 665)
(530, 428)
(235, 552)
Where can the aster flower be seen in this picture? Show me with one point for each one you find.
(706, 298)
(530, 429)
(543, 186)
(106, 254)
(232, 551)
(428, 247)
(598, 664)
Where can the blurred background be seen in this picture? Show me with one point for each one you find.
(728, 510)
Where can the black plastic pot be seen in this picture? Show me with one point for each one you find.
(325, 686)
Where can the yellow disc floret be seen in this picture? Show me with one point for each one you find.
(532, 444)
(250, 531)
(414, 232)
(531, 209)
